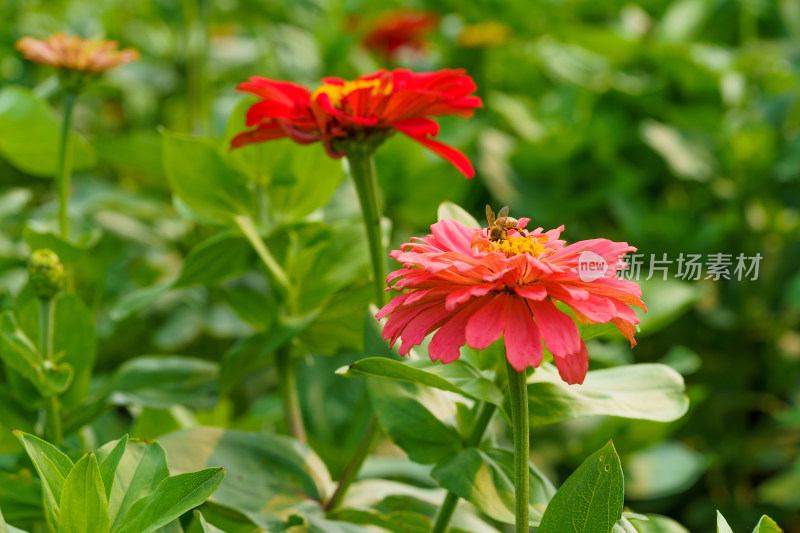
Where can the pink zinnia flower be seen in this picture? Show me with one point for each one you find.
(471, 290)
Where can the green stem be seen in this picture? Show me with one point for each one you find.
(362, 169)
(351, 470)
(47, 309)
(518, 388)
(290, 399)
(483, 415)
(65, 163)
(248, 228)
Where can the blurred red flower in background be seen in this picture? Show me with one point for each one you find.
(365, 111)
(394, 32)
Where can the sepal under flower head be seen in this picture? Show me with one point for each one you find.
(468, 286)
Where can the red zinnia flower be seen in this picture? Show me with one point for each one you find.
(71, 52)
(367, 109)
(395, 31)
(472, 290)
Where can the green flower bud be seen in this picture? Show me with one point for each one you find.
(46, 273)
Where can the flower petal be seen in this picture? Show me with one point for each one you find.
(559, 331)
(487, 324)
(446, 342)
(459, 160)
(573, 367)
(521, 337)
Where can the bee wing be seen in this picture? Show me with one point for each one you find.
(489, 215)
(503, 212)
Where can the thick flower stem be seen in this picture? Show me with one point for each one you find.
(289, 397)
(47, 307)
(518, 388)
(483, 414)
(362, 169)
(65, 163)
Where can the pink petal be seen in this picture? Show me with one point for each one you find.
(573, 367)
(521, 336)
(451, 336)
(532, 292)
(422, 324)
(487, 324)
(559, 331)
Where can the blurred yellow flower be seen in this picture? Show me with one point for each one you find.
(482, 34)
(71, 52)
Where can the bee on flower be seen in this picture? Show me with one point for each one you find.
(471, 286)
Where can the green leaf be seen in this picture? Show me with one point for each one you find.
(207, 528)
(261, 467)
(396, 522)
(53, 468)
(5, 528)
(135, 301)
(19, 353)
(656, 524)
(413, 417)
(84, 508)
(200, 177)
(298, 179)
(160, 381)
(221, 257)
(21, 496)
(256, 352)
(173, 497)
(30, 135)
(67, 251)
(722, 524)
(590, 500)
(110, 461)
(767, 525)
(142, 468)
(666, 301)
(458, 377)
(643, 391)
(485, 478)
(662, 470)
(448, 209)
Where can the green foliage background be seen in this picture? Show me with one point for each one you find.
(674, 126)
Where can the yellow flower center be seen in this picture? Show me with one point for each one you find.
(337, 92)
(512, 246)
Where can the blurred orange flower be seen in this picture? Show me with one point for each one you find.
(71, 52)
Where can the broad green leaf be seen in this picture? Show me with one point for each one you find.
(53, 468)
(396, 522)
(160, 381)
(110, 461)
(207, 528)
(14, 414)
(666, 301)
(297, 179)
(256, 352)
(643, 391)
(255, 307)
(173, 497)
(30, 135)
(722, 524)
(590, 500)
(767, 525)
(662, 470)
(20, 354)
(199, 175)
(458, 377)
(5, 528)
(656, 524)
(135, 301)
(413, 417)
(67, 251)
(74, 342)
(152, 424)
(84, 508)
(448, 209)
(142, 468)
(21, 496)
(261, 467)
(223, 256)
(485, 478)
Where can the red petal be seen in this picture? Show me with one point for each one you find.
(521, 336)
(487, 324)
(417, 127)
(459, 160)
